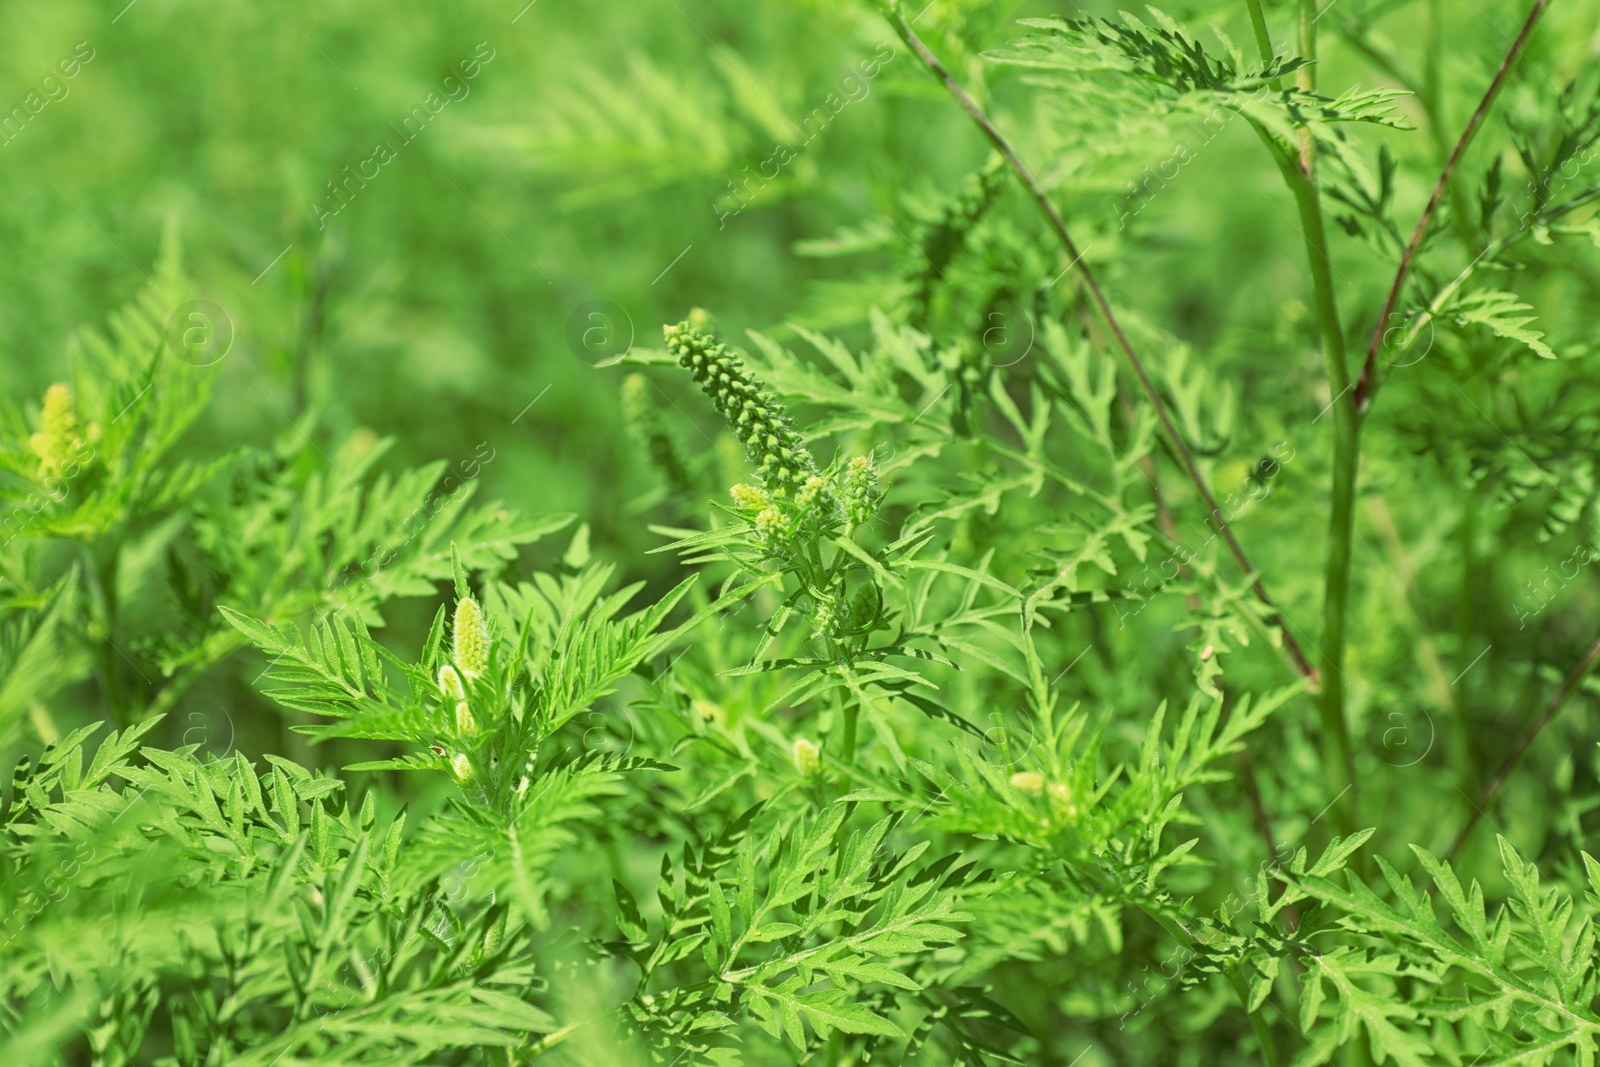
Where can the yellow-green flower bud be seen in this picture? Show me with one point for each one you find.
(639, 412)
(814, 500)
(749, 497)
(461, 767)
(773, 525)
(1061, 799)
(466, 725)
(470, 639)
(57, 440)
(807, 757)
(450, 683)
(1029, 782)
(825, 620)
(860, 492)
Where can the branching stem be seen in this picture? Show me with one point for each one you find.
(1367, 384)
(1059, 227)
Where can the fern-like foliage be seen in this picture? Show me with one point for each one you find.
(1515, 983)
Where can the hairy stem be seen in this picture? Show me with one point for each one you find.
(1097, 295)
(1466, 613)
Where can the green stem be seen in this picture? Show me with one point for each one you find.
(1339, 759)
(1258, 23)
(849, 743)
(1432, 79)
(1338, 755)
(1368, 383)
(101, 571)
(891, 10)
(555, 1037)
(1306, 80)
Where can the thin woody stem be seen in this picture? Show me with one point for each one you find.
(1096, 294)
(1510, 763)
(1367, 383)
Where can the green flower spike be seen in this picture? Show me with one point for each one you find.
(749, 498)
(470, 644)
(815, 498)
(826, 620)
(773, 525)
(644, 423)
(773, 447)
(466, 725)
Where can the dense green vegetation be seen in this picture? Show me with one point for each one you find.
(827, 533)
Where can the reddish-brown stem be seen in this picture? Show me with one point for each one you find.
(1059, 227)
(1367, 383)
(1487, 796)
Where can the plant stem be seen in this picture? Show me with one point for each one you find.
(1306, 81)
(849, 742)
(1510, 763)
(1300, 176)
(1367, 384)
(1258, 23)
(1059, 227)
(1247, 773)
(1339, 759)
(1432, 96)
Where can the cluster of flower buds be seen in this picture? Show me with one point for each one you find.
(450, 685)
(1033, 784)
(58, 444)
(469, 654)
(860, 494)
(826, 621)
(774, 522)
(815, 497)
(775, 450)
(946, 237)
(794, 499)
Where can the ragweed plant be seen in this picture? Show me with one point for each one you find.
(979, 716)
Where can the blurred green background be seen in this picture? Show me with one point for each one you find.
(580, 162)
(585, 161)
